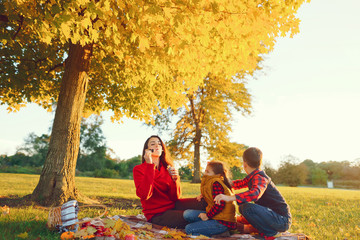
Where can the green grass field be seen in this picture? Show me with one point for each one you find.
(317, 212)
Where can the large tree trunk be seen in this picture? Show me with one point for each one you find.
(197, 141)
(57, 180)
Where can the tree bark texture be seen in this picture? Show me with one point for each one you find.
(197, 141)
(57, 180)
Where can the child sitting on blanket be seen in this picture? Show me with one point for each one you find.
(217, 219)
(269, 213)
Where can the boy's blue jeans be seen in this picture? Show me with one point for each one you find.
(264, 219)
(198, 226)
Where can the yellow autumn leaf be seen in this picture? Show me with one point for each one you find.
(143, 44)
(201, 237)
(159, 40)
(46, 39)
(167, 12)
(90, 230)
(116, 40)
(85, 23)
(66, 30)
(24, 235)
(121, 226)
(5, 210)
(107, 5)
(81, 233)
(147, 226)
(95, 35)
(76, 37)
(176, 234)
(109, 223)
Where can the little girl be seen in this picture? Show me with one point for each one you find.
(216, 219)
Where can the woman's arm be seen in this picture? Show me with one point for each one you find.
(144, 180)
(175, 189)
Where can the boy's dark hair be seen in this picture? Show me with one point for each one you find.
(253, 157)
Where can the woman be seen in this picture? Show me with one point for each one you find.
(158, 187)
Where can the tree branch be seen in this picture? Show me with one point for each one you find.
(20, 25)
(56, 66)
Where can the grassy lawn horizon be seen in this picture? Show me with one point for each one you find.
(320, 213)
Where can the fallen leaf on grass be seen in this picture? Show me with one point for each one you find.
(5, 210)
(312, 224)
(23, 235)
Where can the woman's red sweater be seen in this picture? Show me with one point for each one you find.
(155, 188)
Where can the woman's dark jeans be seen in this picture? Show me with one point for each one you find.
(174, 218)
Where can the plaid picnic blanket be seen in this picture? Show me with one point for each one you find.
(145, 230)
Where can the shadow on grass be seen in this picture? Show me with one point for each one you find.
(14, 201)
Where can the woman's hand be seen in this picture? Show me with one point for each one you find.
(203, 216)
(173, 173)
(222, 197)
(199, 197)
(147, 156)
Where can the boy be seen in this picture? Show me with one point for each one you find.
(269, 213)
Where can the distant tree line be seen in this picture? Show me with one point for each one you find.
(95, 160)
(344, 174)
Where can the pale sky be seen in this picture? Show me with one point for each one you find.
(306, 101)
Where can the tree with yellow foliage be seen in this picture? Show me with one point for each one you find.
(131, 56)
(205, 122)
